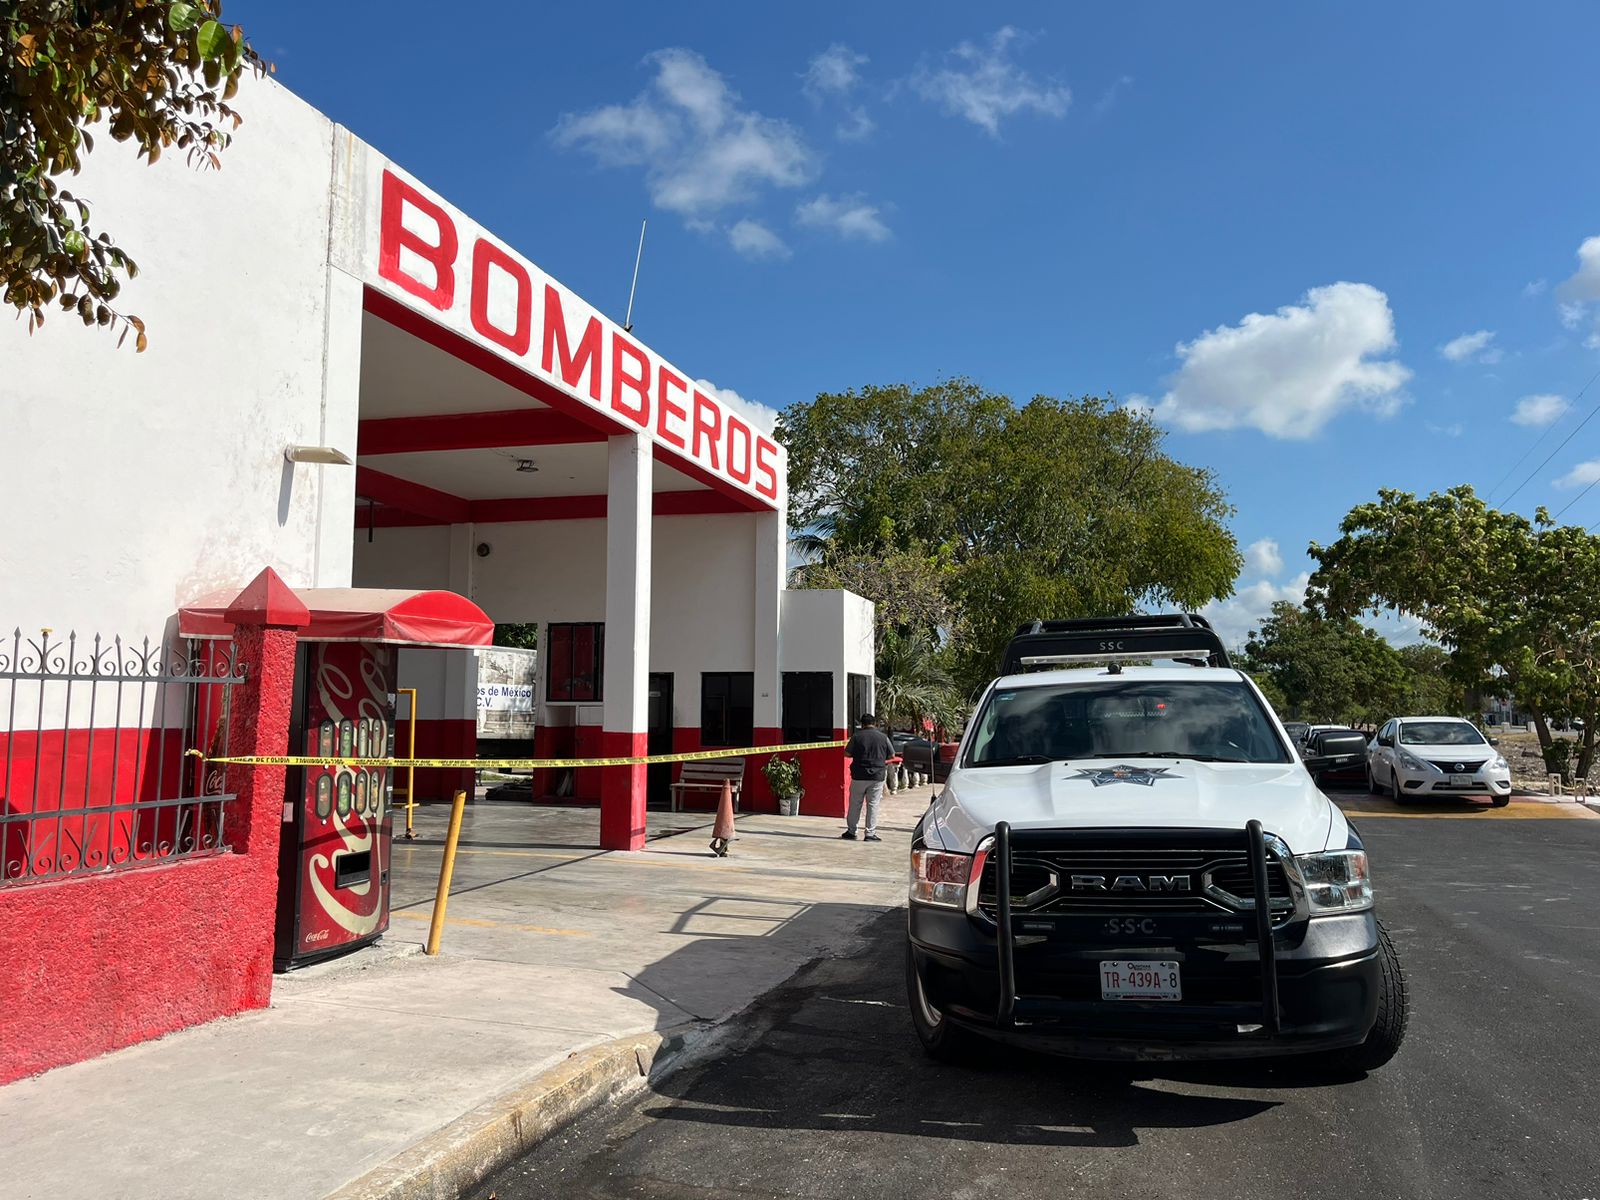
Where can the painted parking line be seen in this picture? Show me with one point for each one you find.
(1525, 811)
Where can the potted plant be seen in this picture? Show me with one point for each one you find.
(783, 777)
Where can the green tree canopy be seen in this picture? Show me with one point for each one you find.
(1057, 508)
(1514, 601)
(1333, 670)
(160, 73)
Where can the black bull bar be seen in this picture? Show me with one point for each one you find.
(1255, 848)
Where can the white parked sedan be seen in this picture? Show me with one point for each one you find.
(1430, 756)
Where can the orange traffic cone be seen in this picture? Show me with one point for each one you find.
(722, 830)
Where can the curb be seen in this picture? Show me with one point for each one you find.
(445, 1164)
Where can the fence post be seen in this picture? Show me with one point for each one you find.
(266, 618)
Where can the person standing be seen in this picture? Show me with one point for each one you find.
(869, 753)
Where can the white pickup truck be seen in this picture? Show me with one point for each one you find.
(1090, 880)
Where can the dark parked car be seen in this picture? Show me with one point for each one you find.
(1353, 774)
(915, 752)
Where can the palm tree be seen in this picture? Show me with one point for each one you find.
(912, 682)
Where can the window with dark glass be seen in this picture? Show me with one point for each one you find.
(727, 708)
(576, 654)
(807, 706)
(860, 698)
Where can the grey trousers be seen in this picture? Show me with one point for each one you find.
(870, 792)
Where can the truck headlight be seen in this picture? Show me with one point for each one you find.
(1336, 881)
(941, 878)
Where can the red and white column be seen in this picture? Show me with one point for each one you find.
(626, 673)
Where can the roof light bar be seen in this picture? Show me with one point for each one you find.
(1114, 639)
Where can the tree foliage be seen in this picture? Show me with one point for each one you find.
(160, 73)
(1057, 508)
(1514, 601)
(913, 683)
(1322, 669)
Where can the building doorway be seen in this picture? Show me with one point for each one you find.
(658, 740)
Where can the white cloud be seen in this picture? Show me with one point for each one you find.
(699, 150)
(847, 216)
(983, 85)
(1472, 347)
(1264, 558)
(1290, 372)
(1592, 341)
(1108, 98)
(1535, 287)
(1585, 281)
(1542, 409)
(755, 241)
(1246, 609)
(1581, 475)
(856, 128)
(760, 416)
(1138, 402)
(834, 72)
(1454, 429)
(1571, 315)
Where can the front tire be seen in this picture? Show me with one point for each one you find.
(942, 1039)
(1394, 786)
(1373, 787)
(1500, 801)
(1394, 1012)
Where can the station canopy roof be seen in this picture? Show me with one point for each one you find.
(393, 615)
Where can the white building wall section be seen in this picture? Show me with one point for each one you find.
(704, 604)
(137, 482)
(828, 631)
(703, 587)
(417, 557)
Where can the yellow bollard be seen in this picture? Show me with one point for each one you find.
(446, 868)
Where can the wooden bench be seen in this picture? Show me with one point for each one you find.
(709, 776)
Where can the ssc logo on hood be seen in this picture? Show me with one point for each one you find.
(1122, 773)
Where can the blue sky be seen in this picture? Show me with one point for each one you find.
(1334, 247)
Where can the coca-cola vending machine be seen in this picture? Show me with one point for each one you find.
(333, 856)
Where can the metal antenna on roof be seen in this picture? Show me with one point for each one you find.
(627, 321)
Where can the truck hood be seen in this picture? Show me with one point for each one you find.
(1137, 793)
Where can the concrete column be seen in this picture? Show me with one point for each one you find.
(459, 703)
(771, 572)
(625, 679)
(341, 393)
(771, 560)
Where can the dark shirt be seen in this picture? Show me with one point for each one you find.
(869, 753)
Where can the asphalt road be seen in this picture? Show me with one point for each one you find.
(1495, 1094)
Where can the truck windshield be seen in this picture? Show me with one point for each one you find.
(1210, 720)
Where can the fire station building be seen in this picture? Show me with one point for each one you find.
(352, 383)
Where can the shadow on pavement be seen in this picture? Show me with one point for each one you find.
(832, 1049)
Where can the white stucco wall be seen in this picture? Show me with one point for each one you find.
(134, 482)
(702, 587)
(828, 631)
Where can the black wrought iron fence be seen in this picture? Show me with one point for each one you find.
(93, 774)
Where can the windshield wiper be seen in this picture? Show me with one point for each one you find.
(1020, 760)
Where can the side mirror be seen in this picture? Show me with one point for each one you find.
(1336, 750)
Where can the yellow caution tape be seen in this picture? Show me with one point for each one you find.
(520, 764)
